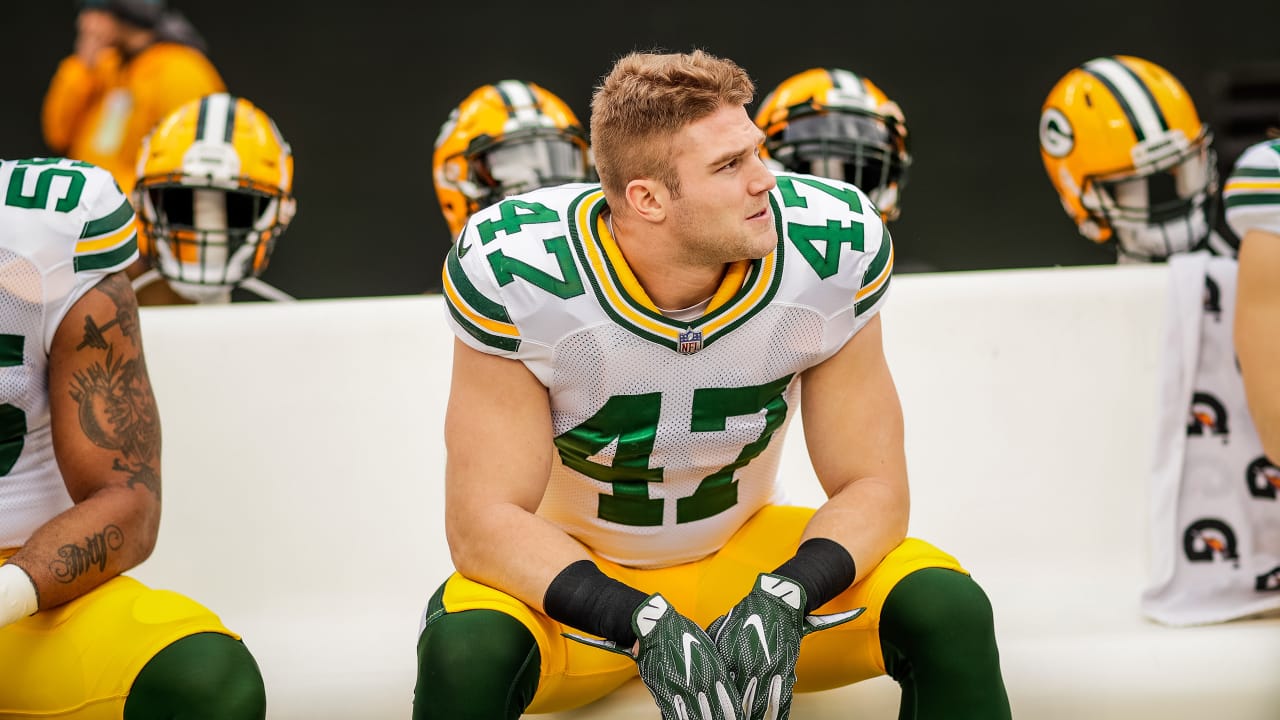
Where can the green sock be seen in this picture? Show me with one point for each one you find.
(207, 676)
(938, 638)
(475, 665)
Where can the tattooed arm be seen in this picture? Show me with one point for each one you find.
(106, 436)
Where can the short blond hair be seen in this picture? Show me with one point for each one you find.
(648, 97)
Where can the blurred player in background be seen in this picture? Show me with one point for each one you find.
(135, 61)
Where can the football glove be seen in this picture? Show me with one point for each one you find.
(679, 664)
(759, 640)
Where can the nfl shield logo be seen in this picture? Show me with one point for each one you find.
(689, 342)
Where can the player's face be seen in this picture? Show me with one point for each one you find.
(722, 213)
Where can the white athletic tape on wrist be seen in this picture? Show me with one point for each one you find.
(17, 594)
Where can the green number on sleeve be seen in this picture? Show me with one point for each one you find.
(506, 269)
(515, 215)
(833, 235)
(39, 198)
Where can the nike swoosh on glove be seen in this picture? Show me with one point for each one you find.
(679, 664)
(759, 640)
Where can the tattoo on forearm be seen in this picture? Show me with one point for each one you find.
(75, 560)
(117, 409)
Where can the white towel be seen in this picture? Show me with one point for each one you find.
(1214, 497)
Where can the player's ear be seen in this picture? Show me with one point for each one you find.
(648, 199)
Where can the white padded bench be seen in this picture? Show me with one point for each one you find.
(303, 499)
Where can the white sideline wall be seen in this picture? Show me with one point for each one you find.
(303, 467)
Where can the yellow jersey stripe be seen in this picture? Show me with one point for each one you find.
(115, 238)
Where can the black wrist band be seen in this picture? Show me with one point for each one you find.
(822, 567)
(584, 598)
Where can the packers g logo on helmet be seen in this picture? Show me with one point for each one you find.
(838, 125)
(503, 139)
(1125, 149)
(214, 194)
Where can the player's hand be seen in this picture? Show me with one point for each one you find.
(679, 664)
(759, 640)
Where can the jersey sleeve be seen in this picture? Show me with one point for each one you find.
(107, 242)
(1252, 191)
(472, 299)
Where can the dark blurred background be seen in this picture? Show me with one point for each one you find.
(360, 90)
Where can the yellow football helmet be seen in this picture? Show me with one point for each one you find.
(1131, 161)
(214, 194)
(835, 124)
(506, 138)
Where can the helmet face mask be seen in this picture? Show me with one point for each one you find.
(834, 124)
(528, 161)
(212, 207)
(503, 139)
(207, 240)
(1124, 147)
(858, 149)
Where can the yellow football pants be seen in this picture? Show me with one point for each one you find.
(574, 674)
(79, 660)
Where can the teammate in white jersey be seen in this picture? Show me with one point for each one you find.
(1252, 198)
(1133, 165)
(627, 359)
(80, 475)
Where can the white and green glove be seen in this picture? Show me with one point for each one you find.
(679, 664)
(759, 640)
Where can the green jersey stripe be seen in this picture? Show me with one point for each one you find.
(1242, 199)
(117, 219)
(868, 302)
(473, 297)
(109, 258)
(494, 341)
(1256, 173)
(880, 260)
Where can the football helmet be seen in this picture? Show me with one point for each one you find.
(214, 194)
(1125, 149)
(835, 124)
(503, 139)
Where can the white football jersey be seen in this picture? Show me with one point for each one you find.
(64, 226)
(668, 433)
(1252, 191)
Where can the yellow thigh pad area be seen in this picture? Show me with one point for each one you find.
(79, 660)
(574, 674)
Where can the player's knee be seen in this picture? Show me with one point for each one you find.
(475, 664)
(208, 675)
(934, 608)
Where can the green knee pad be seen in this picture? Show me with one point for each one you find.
(475, 665)
(938, 637)
(207, 675)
